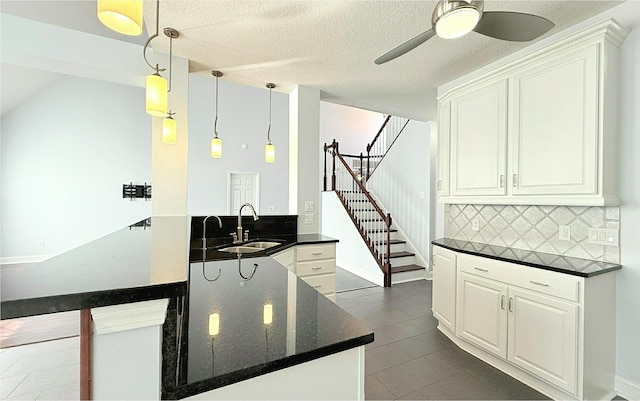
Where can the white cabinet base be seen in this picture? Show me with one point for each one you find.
(335, 377)
(530, 380)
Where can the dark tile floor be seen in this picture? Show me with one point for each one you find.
(411, 359)
(347, 281)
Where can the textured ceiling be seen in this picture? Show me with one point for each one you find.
(327, 44)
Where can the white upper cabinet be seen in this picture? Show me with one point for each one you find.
(541, 129)
(478, 135)
(555, 126)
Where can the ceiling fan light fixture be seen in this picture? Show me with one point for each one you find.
(455, 18)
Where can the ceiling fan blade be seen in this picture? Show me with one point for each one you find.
(512, 26)
(406, 46)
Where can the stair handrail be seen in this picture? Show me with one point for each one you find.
(382, 258)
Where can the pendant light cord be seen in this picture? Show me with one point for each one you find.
(144, 51)
(215, 122)
(269, 129)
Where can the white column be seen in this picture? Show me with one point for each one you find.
(169, 161)
(304, 157)
(127, 351)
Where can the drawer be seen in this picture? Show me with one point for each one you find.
(325, 283)
(312, 267)
(544, 281)
(314, 252)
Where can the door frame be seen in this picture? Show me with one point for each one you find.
(256, 205)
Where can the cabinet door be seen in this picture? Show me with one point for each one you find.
(481, 316)
(478, 141)
(543, 337)
(444, 132)
(555, 126)
(444, 287)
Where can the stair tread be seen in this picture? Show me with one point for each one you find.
(392, 242)
(400, 254)
(393, 230)
(406, 268)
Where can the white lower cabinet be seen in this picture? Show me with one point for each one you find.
(444, 287)
(315, 264)
(553, 331)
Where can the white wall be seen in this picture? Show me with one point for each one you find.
(65, 154)
(353, 128)
(243, 118)
(402, 183)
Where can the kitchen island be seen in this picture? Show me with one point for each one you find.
(231, 323)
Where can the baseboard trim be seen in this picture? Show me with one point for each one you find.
(13, 260)
(627, 389)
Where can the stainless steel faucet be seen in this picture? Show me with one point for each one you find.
(239, 237)
(204, 230)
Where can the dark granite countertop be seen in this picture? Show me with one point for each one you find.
(558, 263)
(151, 260)
(251, 316)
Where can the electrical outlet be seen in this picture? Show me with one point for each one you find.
(308, 218)
(272, 208)
(41, 243)
(475, 225)
(564, 233)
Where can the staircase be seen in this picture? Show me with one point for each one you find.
(385, 242)
(403, 262)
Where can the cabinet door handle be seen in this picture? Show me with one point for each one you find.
(482, 270)
(502, 302)
(510, 304)
(501, 181)
(515, 180)
(537, 283)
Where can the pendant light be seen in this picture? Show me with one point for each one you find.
(269, 149)
(169, 126)
(122, 16)
(216, 143)
(156, 85)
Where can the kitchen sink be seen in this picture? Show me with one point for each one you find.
(240, 249)
(262, 244)
(250, 247)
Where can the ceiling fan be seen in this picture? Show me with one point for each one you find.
(455, 18)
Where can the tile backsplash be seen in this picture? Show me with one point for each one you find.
(534, 228)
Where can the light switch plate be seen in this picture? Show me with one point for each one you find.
(309, 206)
(604, 236)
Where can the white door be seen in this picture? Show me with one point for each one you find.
(479, 141)
(481, 313)
(243, 188)
(542, 337)
(444, 287)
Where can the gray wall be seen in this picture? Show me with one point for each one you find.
(243, 117)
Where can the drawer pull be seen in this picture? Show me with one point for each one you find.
(482, 270)
(316, 268)
(316, 253)
(537, 283)
(317, 286)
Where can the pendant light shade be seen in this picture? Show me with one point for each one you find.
(216, 147)
(156, 95)
(169, 128)
(122, 16)
(269, 149)
(269, 153)
(216, 142)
